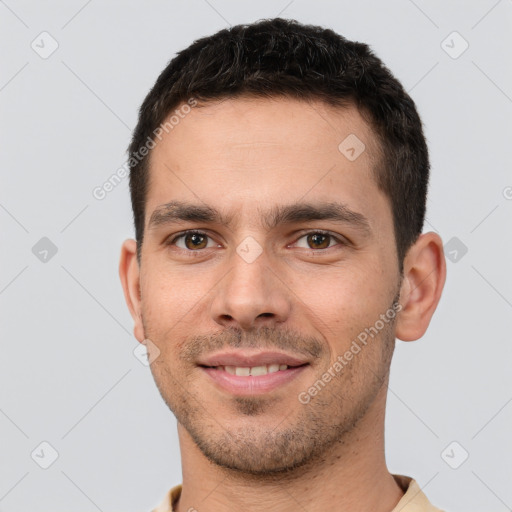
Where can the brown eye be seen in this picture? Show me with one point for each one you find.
(318, 241)
(192, 241)
(195, 241)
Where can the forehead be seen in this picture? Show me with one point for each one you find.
(251, 152)
(234, 125)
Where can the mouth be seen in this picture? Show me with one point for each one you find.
(254, 371)
(252, 374)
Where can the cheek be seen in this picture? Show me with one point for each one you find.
(170, 306)
(344, 302)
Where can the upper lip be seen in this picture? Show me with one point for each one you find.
(238, 358)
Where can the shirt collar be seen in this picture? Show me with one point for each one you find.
(413, 500)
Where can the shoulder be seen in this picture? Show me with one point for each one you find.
(414, 499)
(167, 504)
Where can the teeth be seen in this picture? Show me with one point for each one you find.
(244, 371)
(259, 370)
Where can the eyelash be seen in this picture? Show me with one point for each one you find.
(303, 234)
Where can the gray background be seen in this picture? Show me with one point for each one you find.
(68, 375)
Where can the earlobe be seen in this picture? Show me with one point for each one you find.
(130, 279)
(422, 285)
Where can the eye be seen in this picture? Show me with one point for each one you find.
(319, 240)
(191, 240)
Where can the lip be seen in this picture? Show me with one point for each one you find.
(252, 385)
(247, 358)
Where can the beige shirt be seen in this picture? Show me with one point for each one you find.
(412, 501)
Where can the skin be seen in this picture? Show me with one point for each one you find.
(309, 297)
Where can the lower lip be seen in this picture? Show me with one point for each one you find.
(253, 385)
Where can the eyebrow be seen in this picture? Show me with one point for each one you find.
(176, 211)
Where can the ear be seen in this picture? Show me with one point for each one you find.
(423, 281)
(130, 279)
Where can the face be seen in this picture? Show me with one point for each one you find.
(268, 255)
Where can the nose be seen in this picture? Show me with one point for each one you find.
(251, 295)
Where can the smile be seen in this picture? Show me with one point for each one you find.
(244, 371)
(253, 380)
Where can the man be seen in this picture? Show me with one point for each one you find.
(278, 181)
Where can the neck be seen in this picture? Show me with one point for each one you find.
(351, 476)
